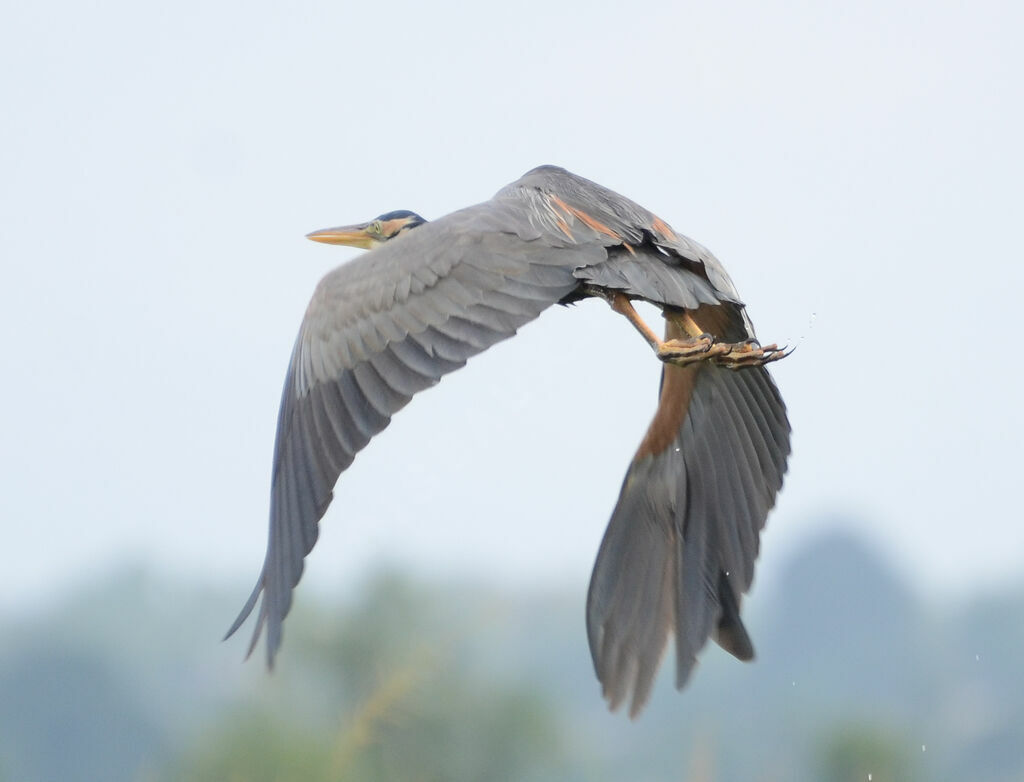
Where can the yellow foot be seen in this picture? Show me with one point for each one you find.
(733, 355)
(750, 354)
(690, 350)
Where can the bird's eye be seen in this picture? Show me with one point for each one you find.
(377, 227)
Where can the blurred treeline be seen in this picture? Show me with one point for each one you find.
(857, 679)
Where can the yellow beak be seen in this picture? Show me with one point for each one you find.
(348, 235)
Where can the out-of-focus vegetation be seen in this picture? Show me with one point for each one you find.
(367, 697)
(127, 682)
(864, 752)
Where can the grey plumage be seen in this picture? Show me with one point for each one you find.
(682, 540)
(684, 534)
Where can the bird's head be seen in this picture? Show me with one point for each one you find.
(369, 235)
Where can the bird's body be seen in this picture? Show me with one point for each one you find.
(680, 547)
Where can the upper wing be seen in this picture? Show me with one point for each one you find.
(649, 258)
(378, 330)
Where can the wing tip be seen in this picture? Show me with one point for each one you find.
(272, 645)
(246, 609)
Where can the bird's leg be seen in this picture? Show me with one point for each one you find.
(697, 345)
(677, 351)
(622, 305)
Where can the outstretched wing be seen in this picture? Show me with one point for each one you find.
(680, 547)
(378, 330)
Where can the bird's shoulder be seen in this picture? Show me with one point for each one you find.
(587, 211)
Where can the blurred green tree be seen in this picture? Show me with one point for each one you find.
(861, 752)
(386, 707)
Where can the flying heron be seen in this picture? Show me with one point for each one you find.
(679, 550)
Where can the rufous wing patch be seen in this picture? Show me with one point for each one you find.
(587, 220)
(563, 226)
(662, 229)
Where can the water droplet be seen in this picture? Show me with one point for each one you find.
(977, 657)
(922, 748)
(869, 776)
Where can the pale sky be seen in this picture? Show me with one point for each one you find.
(857, 168)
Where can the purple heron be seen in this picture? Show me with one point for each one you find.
(679, 550)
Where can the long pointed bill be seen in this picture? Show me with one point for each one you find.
(348, 235)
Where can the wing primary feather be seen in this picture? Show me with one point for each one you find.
(302, 499)
(730, 634)
(773, 440)
(351, 438)
(725, 508)
(753, 489)
(337, 456)
(399, 376)
(380, 394)
(246, 610)
(367, 420)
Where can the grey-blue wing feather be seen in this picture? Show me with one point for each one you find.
(653, 276)
(380, 329)
(681, 544)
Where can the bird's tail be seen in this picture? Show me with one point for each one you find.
(679, 550)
